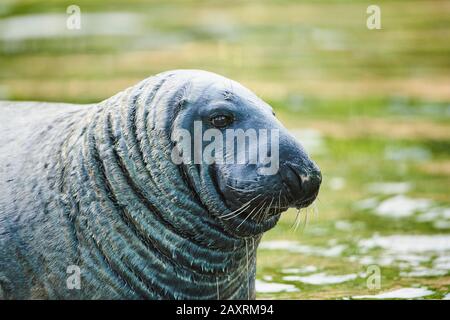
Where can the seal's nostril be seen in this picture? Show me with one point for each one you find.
(293, 179)
(304, 178)
(303, 185)
(316, 176)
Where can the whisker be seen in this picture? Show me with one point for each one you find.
(243, 190)
(266, 212)
(235, 213)
(257, 214)
(279, 200)
(246, 217)
(304, 222)
(315, 209)
(237, 179)
(260, 211)
(285, 198)
(244, 205)
(295, 220)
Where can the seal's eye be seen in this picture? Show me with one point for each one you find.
(221, 121)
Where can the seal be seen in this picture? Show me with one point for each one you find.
(93, 205)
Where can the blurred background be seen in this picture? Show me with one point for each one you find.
(372, 107)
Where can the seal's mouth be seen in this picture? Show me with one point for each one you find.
(263, 201)
(255, 215)
(307, 202)
(261, 211)
(259, 217)
(255, 202)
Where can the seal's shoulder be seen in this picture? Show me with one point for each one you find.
(20, 120)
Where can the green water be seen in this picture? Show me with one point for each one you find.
(372, 106)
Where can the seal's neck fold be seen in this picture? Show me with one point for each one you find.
(130, 202)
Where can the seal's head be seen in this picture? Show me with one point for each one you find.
(243, 164)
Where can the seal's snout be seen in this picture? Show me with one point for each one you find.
(302, 185)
